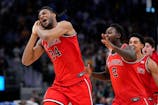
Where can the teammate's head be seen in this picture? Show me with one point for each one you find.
(46, 16)
(115, 32)
(137, 41)
(149, 47)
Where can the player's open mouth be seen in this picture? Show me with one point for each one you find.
(44, 20)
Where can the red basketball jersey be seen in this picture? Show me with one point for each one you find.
(155, 58)
(143, 73)
(154, 88)
(146, 77)
(125, 80)
(65, 55)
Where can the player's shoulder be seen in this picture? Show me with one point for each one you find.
(64, 22)
(155, 54)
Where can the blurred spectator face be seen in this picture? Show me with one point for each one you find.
(138, 46)
(113, 34)
(46, 18)
(148, 49)
(103, 100)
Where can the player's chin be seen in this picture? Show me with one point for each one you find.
(44, 26)
(48, 26)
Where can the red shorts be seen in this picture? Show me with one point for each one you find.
(77, 94)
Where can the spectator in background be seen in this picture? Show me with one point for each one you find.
(3, 61)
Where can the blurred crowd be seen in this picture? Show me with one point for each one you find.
(89, 17)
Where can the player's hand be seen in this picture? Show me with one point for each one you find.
(35, 27)
(88, 70)
(105, 40)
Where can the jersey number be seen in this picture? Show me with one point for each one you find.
(114, 72)
(55, 53)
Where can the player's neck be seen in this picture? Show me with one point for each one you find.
(117, 43)
(55, 22)
(139, 55)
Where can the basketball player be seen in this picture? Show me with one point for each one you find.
(146, 67)
(128, 87)
(150, 49)
(59, 40)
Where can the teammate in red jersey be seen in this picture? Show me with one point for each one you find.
(150, 50)
(147, 69)
(59, 40)
(128, 87)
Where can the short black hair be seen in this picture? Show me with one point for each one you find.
(139, 36)
(150, 40)
(119, 29)
(48, 8)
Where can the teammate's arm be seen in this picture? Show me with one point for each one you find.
(98, 75)
(63, 27)
(153, 67)
(128, 53)
(101, 75)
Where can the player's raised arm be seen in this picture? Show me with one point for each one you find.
(63, 27)
(49, 28)
(32, 50)
(127, 52)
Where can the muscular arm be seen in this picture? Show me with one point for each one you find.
(62, 28)
(32, 51)
(128, 53)
(153, 67)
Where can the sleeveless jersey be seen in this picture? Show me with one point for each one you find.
(143, 73)
(146, 78)
(153, 84)
(154, 56)
(65, 55)
(125, 80)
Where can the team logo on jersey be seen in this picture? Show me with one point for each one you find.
(115, 62)
(140, 70)
(55, 41)
(114, 72)
(142, 62)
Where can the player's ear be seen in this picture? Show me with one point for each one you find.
(53, 14)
